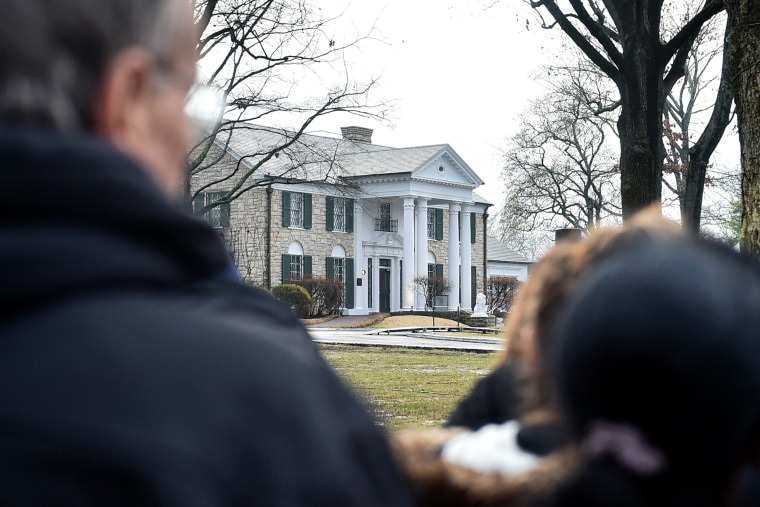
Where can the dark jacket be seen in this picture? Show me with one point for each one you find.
(135, 369)
(493, 400)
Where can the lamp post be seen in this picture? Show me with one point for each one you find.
(433, 307)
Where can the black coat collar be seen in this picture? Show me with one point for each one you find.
(77, 215)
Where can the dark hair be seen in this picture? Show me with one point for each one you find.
(554, 280)
(662, 341)
(53, 54)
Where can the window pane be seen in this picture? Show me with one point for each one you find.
(431, 224)
(339, 215)
(296, 209)
(214, 215)
(340, 269)
(296, 267)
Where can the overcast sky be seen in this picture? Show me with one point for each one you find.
(459, 71)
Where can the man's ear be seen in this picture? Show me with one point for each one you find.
(122, 99)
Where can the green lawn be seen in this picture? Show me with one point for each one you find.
(409, 388)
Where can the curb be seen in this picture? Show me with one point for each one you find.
(489, 341)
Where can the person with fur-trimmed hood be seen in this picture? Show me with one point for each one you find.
(522, 453)
(656, 371)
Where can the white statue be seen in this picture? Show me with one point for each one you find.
(480, 309)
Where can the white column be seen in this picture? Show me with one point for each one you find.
(454, 256)
(422, 247)
(408, 267)
(466, 269)
(375, 284)
(360, 293)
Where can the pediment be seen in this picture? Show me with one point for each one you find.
(389, 239)
(447, 168)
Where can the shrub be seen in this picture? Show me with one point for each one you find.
(297, 297)
(326, 295)
(501, 293)
(431, 286)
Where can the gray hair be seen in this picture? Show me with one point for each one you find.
(53, 54)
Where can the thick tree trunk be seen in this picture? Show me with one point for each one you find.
(640, 124)
(744, 53)
(640, 159)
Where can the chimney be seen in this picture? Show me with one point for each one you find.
(567, 235)
(358, 134)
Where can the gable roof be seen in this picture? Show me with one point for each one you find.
(391, 160)
(500, 252)
(313, 157)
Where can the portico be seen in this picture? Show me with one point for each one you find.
(390, 280)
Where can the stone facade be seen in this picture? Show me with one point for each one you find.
(317, 242)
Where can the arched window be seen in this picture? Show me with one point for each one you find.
(432, 271)
(336, 265)
(295, 265)
(341, 268)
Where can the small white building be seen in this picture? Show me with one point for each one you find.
(503, 261)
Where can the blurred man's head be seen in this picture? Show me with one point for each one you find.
(119, 69)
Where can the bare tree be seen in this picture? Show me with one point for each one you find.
(501, 292)
(687, 162)
(273, 62)
(431, 286)
(722, 213)
(624, 39)
(560, 168)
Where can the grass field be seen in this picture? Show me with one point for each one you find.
(409, 388)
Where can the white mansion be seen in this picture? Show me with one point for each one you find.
(370, 216)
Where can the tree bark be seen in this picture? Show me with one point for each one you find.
(744, 54)
(640, 145)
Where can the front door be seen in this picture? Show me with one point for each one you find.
(385, 285)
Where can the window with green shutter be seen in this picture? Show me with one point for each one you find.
(295, 267)
(340, 214)
(219, 215)
(296, 210)
(473, 227)
(435, 223)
